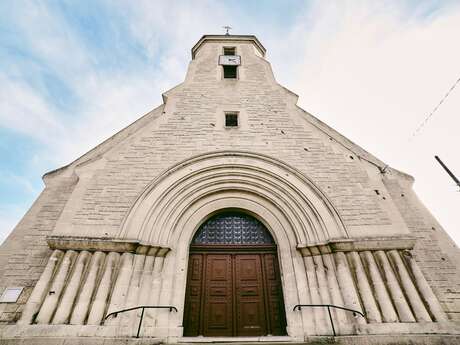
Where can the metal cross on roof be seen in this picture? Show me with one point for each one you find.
(227, 28)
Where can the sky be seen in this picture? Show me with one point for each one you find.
(72, 73)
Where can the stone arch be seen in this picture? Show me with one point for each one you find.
(173, 206)
(154, 215)
(290, 260)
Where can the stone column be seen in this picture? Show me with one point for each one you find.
(146, 281)
(120, 290)
(370, 305)
(419, 309)
(96, 314)
(347, 286)
(149, 315)
(425, 289)
(342, 324)
(65, 305)
(51, 301)
(41, 288)
(151, 321)
(319, 314)
(80, 311)
(305, 315)
(404, 312)
(383, 299)
(130, 319)
(145, 289)
(323, 288)
(164, 318)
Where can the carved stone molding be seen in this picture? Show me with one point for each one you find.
(93, 244)
(255, 177)
(359, 244)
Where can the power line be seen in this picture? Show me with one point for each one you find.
(419, 128)
(451, 174)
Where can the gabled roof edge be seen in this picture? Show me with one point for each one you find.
(108, 143)
(351, 146)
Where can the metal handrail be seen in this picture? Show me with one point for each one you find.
(329, 306)
(143, 307)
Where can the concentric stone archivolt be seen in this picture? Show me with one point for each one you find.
(310, 215)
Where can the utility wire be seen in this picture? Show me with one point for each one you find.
(419, 128)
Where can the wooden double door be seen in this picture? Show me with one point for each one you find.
(233, 293)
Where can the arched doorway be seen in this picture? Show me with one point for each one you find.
(233, 282)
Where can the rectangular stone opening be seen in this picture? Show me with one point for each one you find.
(230, 72)
(231, 119)
(229, 51)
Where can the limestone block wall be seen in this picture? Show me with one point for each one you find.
(191, 123)
(92, 196)
(25, 253)
(436, 253)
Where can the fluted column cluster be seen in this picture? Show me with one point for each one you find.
(386, 285)
(82, 287)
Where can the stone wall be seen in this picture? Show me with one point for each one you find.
(371, 277)
(113, 176)
(192, 123)
(436, 253)
(25, 252)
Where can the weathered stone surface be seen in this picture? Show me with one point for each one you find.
(355, 340)
(341, 219)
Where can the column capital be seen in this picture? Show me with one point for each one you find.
(357, 244)
(93, 244)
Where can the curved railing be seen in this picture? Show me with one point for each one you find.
(143, 307)
(296, 307)
(328, 306)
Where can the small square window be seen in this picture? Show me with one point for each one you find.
(229, 51)
(231, 119)
(230, 72)
(11, 294)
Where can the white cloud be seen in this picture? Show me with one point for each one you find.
(25, 111)
(108, 100)
(371, 70)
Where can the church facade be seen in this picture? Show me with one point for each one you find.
(226, 212)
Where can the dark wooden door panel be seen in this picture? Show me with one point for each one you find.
(218, 296)
(233, 294)
(250, 309)
(275, 304)
(193, 297)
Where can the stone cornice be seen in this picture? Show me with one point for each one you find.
(229, 38)
(358, 244)
(106, 245)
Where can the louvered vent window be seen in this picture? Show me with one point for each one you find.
(229, 51)
(230, 61)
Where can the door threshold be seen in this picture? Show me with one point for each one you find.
(267, 338)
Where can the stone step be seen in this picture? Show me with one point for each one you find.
(239, 340)
(419, 339)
